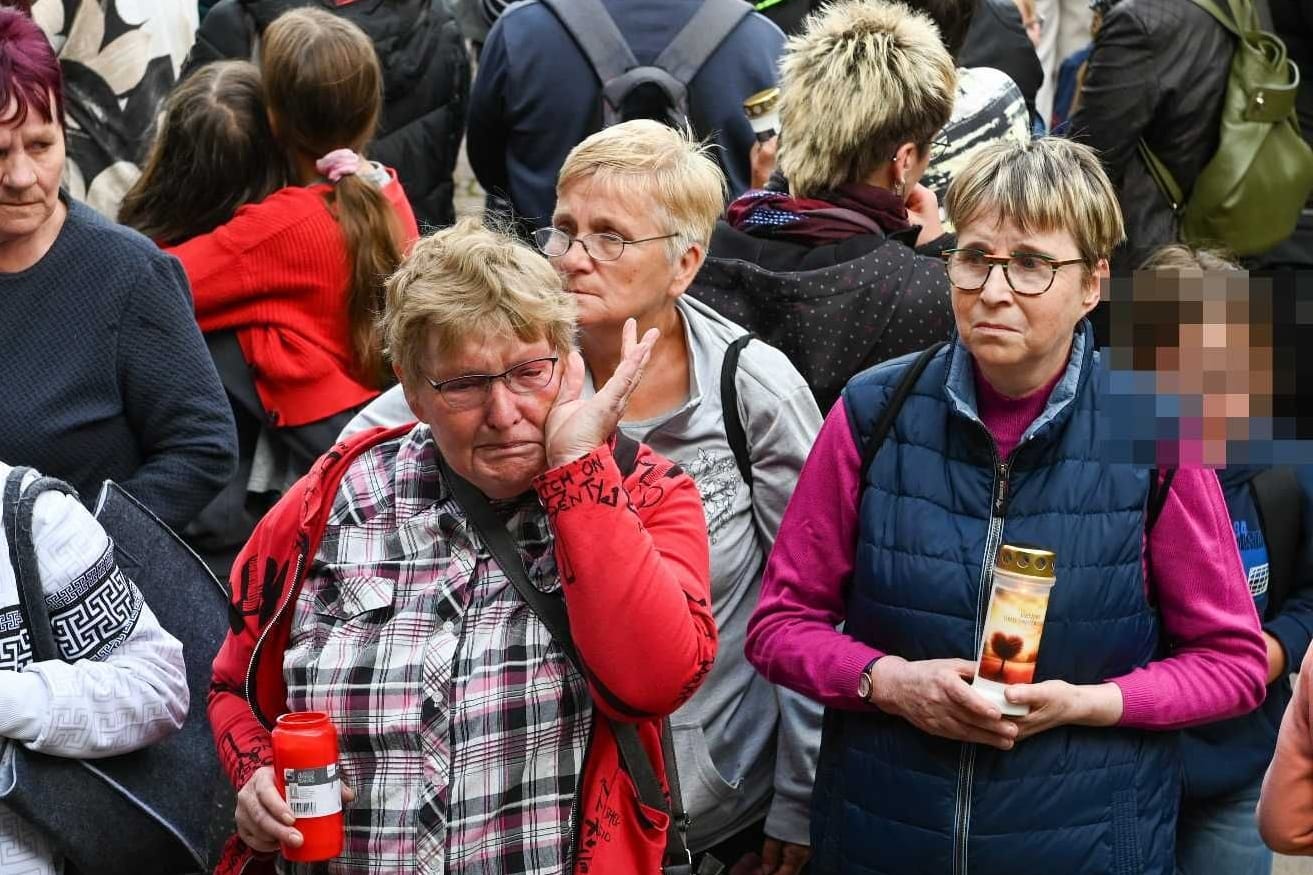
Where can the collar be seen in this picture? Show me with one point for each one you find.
(417, 483)
(960, 384)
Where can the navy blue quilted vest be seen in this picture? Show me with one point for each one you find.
(892, 800)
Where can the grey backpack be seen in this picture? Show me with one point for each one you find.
(658, 91)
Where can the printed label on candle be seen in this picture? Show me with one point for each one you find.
(313, 792)
(1012, 634)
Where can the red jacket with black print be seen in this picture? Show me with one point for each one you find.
(633, 556)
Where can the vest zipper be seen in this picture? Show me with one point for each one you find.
(572, 849)
(967, 761)
(259, 643)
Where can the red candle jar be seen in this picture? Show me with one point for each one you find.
(305, 771)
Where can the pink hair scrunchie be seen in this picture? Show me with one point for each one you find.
(339, 163)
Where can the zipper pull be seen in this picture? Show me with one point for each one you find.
(1001, 494)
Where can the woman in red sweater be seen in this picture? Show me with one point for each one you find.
(298, 277)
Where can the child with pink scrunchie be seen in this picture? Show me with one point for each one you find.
(299, 276)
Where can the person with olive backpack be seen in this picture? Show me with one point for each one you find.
(1191, 108)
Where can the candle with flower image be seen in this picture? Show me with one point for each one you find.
(1014, 623)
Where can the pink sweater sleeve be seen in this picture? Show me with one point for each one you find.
(1217, 667)
(792, 638)
(1285, 810)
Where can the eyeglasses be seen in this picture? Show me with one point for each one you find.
(603, 246)
(1027, 274)
(472, 390)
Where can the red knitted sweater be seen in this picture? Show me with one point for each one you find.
(278, 273)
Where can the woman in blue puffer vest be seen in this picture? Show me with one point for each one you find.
(1003, 439)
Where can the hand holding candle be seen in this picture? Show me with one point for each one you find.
(1058, 703)
(934, 696)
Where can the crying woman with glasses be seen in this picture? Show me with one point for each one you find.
(874, 597)
(495, 602)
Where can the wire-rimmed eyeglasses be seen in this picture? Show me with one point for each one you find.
(472, 390)
(602, 246)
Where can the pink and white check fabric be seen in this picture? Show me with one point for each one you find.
(462, 725)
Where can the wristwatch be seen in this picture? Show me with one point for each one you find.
(864, 688)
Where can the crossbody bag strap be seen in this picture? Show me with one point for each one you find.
(890, 412)
(1160, 484)
(551, 611)
(19, 505)
(1233, 17)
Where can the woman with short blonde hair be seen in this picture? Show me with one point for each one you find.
(668, 167)
(423, 556)
(746, 749)
(999, 437)
(838, 271)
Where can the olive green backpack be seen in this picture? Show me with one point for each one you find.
(1249, 195)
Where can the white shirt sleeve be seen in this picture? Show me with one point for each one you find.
(389, 409)
(125, 686)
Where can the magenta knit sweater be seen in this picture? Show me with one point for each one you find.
(1217, 665)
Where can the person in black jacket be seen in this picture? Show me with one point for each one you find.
(426, 83)
(1158, 71)
(827, 272)
(997, 38)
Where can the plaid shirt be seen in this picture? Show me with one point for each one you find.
(462, 726)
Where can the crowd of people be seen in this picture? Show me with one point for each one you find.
(648, 522)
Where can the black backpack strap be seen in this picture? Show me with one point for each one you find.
(625, 453)
(1280, 502)
(706, 30)
(19, 505)
(729, 403)
(550, 609)
(1160, 483)
(890, 412)
(595, 32)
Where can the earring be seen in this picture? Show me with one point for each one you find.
(898, 188)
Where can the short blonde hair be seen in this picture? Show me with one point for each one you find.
(1048, 184)
(649, 159)
(469, 282)
(1180, 258)
(862, 79)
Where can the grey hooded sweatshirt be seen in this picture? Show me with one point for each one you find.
(745, 749)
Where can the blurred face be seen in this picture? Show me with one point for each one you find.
(1018, 339)
(642, 281)
(497, 444)
(31, 165)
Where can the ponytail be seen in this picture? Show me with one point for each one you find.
(372, 236)
(325, 92)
